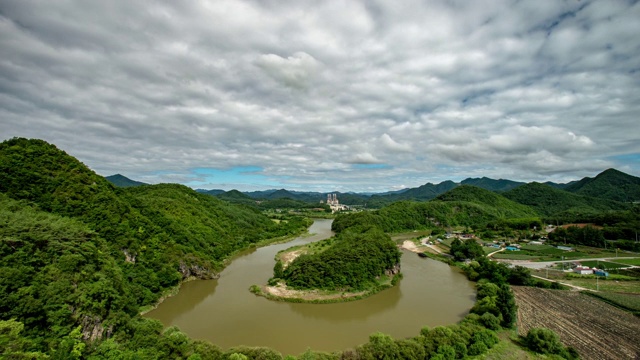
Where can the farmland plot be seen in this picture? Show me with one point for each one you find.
(597, 330)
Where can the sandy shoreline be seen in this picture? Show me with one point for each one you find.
(281, 291)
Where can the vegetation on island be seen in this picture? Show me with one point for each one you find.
(354, 264)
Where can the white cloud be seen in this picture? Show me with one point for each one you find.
(305, 89)
(296, 71)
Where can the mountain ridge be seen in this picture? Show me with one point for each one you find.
(610, 184)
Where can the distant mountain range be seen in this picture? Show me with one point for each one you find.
(610, 185)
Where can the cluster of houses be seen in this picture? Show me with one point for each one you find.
(513, 247)
(585, 270)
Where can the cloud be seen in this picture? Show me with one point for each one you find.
(304, 90)
(296, 71)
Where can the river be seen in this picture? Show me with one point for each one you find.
(224, 312)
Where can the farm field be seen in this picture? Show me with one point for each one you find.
(635, 262)
(630, 284)
(607, 265)
(550, 253)
(515, 255)
(629, 302)
(595, 329)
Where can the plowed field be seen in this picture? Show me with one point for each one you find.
(597, 330)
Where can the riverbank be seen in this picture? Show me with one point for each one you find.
(225, 262)
(280, 292)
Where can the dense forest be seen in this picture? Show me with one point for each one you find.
(80, 257)
(353, 261)
(464, 206)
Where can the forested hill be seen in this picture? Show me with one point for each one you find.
(610, 184)
(76, 250)
(462, 206)
(550, 201)
(120, 180)
(492, 184)
(502, 205)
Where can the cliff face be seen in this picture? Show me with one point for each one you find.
(395, 270)
(196, 271)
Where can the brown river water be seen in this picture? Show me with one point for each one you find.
(224, 312)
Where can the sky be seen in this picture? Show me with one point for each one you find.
(365, 96)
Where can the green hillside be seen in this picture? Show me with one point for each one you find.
(205, 228)
(611, 184)
(79, 252)
(56, 273)
(492, 184)
(236, 197)
(494, 203)
(123, 181)
(462, 206)
(422, 193)
(549, 201)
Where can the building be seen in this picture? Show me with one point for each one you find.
(334, 204)
(600, 272)
(583, 270)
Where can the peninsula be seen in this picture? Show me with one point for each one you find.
(356, 263)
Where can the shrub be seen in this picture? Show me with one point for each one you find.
(490, 321)
(543, 341)
(477, 349)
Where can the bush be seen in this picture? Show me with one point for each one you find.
(490, 321)
(477, 349)
(543, 341)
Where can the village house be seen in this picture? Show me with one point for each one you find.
(583, 270)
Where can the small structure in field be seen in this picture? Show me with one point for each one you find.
(583, 270)
(600, 272)
(512, 248)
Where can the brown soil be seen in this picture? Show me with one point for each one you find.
(288, 257)
(411, 246)
(597, 330)
(281, 291)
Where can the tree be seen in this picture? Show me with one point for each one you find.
(543, 341)
(71, 346)
(278, 270)
(380, 347)
(520, 275)
(507, 305)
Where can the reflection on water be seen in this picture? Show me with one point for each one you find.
(197, 290)
(359, 310)
(224, 312)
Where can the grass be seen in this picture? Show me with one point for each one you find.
(508, 349)
(532, 247)
(489, 249)
(412, 235)
(447, 242)
(635, 262)
(615, 283)
(606, 285)
(625, 301)
(513, 256)
(602, 264)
